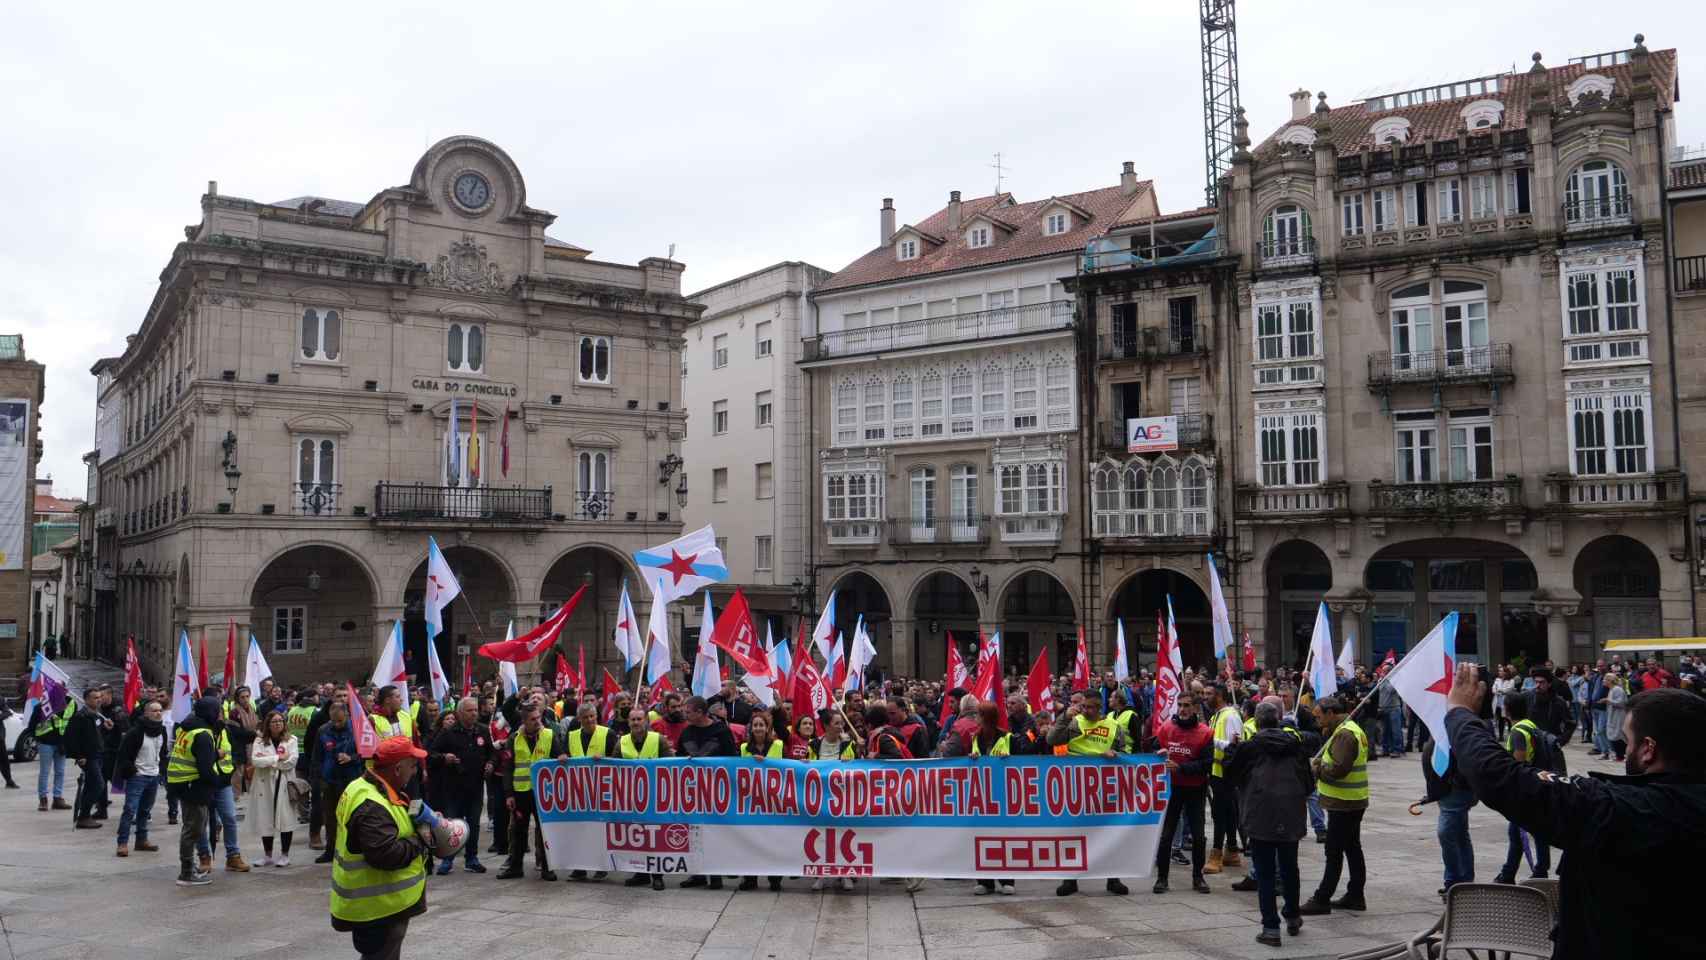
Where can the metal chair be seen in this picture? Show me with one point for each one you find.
(1493, 917)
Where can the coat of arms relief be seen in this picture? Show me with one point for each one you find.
(467, 268)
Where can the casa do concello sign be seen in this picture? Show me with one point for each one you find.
(478, 389)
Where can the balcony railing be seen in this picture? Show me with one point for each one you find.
(1149, 342)
(845, 533)
(318, 499)
(1280, 252)
(1291, 504)
(1104, 255)
(1691, 274)
(1031, 527)
(1610, 494)
(1460, 498)
(955, 328)
(1608, 211)
(593, 505)
(1486, 363)
(1195, 430)
(419, 501)
(938, 531)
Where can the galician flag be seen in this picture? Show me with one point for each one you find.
(823, 635)
(706, 679)
(440, 681)
(1348, 656)
(630, 642)
(185, 689)
(864, 651)
(657, 637)
(1122, 667)
(685, 565)
(1321, 675)
(255, 667)
(391, 669)
(1423, 679)
(1217, 611)
(441, 588)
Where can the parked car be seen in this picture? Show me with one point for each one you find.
(20, 743)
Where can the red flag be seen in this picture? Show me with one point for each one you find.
(503, 445)
(735, 635)
(802, 655)
(132, 674)
(987, 686)
(231, 656)
(1250, 654)
(1385, 665)
(536, 641)
(1037, 689)
(654, 693)
(839, 680)
(809, 694)
(955, 676)
(366, 738)
(564, 677)
(607, 703)
(201, 662)
(580, 675)
(723, 672)
(1081, 663)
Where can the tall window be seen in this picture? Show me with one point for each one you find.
(1285, 231)
(1466, 331)
(875, 407)
(930, 404)
(764, 412)
(1450, 197)
(594, 359)
(1289, 448)
(1483, 197)
(322, 334)
(763, 481)
(720, 351)
(846, 411)
(1629, 445)
(1350, 214)
(923, 483)
(1412, 329)
(1057, 383)
(719, 484)
(1182, 324)
(960, 401)
(1469, 442)
(1417, 447)
(465, 348)
(289, 629)
(593, 473)
(316, 475)
(962, 495)
(1597, 190)
(719, 417)
(761, 553)
(1024, 395)
(1587, 433)
(1416, 204)
(1516, 192)
(994, 400)
(1384, 207)
(761, 338)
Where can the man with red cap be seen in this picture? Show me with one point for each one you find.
(379, 870)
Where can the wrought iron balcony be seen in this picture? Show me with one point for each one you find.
(1031, 527)
(422, 502)
(1291, 250)
(1460, 498)
(1196, 431)
(1149, 343)
(593, 505)
(1293, 504)
(933, 331)
(318, 499)
(1486, 364)
(1630, 494)
(1608, 211)
(938, 531)
(1691, 274)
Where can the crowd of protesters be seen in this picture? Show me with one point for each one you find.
(1254, 767)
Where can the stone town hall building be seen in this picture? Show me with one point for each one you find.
(272, 443)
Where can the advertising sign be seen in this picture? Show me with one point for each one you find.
(1151, 434)
(16, 490)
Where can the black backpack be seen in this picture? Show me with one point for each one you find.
(1545, 752)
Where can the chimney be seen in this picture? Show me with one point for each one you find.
(1299, 105)
(1128, 179)
(953, 210)
(887, 230)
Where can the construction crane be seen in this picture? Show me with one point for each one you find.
(1219, 89)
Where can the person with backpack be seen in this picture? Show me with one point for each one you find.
(1528, 744)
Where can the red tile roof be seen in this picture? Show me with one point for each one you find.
(1688, 175)
(1106, 207)
(1170, 217)
(48, 503)
(1442, 119)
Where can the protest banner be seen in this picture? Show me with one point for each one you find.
(1048, 817)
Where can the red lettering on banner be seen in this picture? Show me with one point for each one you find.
(1030, 854)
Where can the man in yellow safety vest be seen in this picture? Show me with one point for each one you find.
(1086, 733)
(1341, 776)
(389, 717)
(589, 738)
(641, 742)
(533, 741)
(1228, 726)
(191, 770)
(379, 867)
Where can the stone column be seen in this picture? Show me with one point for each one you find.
(900, 652)
(1556, 605)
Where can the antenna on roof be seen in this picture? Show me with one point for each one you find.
(1000, 172)
(671, 255)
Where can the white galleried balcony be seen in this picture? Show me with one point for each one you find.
(993, 324)
(1617, 493)
(1030, 496)
(1150, 497)
(853, 502)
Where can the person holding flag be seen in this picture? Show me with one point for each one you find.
(1341, 774)
(48, 711)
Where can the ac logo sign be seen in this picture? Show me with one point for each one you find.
(835, 852)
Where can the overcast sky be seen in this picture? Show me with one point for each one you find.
(742, 133)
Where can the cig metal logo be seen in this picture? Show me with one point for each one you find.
(836, 852)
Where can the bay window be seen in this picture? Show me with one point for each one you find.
(1605, 317)
(1289, 440)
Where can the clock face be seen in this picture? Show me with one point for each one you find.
(471, 191)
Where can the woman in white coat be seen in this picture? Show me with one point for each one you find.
(270, 810)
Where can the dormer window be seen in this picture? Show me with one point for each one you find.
(907, 250)
(1057, 223)
(977, 237)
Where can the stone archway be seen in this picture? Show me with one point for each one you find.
(1297, 577)
(1139, 599)
(943, 604)
(480, 615)
(860, 594)
(1037, 614)
(1618, 579)
(1413, 584)
(312, 613)
(603, 571)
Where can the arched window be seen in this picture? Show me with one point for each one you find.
(1597, 191)
(1164, 498)
(595, 359)
(875, 408)
(322, 334)
(1285, 232)
(1136, 519)
(1193, 489)
(465, 348)
(1412, 330)
(592, 478)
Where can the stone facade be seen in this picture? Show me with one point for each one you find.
(285, 446)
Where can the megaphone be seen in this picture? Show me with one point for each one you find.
(448, 834)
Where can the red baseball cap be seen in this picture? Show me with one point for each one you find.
(392, 749)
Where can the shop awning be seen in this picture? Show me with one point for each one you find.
(1657, 643)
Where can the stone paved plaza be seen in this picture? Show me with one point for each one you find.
(63, 895)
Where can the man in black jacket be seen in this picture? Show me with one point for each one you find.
(192, 783)
(1549, 711)
(86, 743)
(460, 759)
(1630, 844)
(1272, 776)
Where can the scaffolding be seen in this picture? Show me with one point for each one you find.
(1219, 89)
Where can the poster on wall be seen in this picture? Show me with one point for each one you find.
(15, 486)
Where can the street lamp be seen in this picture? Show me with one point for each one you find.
(232, 474)
(681, 490)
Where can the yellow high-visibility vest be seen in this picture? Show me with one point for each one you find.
(775, 751)
(361, 892)
(1354, 786)
(598, 747)
(650, 751)
(521, 781)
